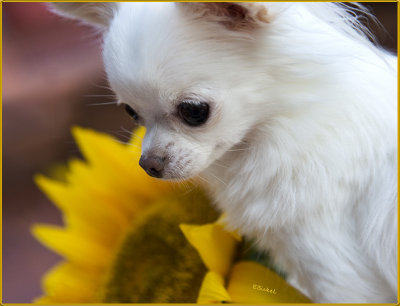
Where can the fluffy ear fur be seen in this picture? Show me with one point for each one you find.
(98, 14)
(234, 16)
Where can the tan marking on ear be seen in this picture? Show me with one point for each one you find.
(262, 15)
(233, 15)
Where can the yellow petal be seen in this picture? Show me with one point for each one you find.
(99, 147)
(222, 220)
(81, 176)
(101, 151)
(213, 289)
(78, 198)
(73, 246)
(137, 136)
(116, 164)
(252, 283)
(52, 189)
(215, 245)
(70, 283)
(81, 207)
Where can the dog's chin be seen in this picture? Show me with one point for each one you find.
(175, 177)
(171, 175)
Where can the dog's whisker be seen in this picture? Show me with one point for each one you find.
(119, 141)
(202, 178)
(134, 146)
(130, 132)
(217, 178)
(135, 136)
(125, 133)
(237, 150)
(101, 86)
(219, 164)
(125, 138)
(102, 103)
(97, 96)
(124, 129)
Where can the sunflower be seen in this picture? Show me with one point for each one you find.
(121, 237)
(129, 238)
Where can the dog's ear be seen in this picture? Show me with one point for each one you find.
(234, 16)
(95, 13)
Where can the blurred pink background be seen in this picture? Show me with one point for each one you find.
(52, 77)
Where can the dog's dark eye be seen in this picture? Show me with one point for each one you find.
(131, 112)
(193, 113)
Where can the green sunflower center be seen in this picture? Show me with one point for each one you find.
(155, 263)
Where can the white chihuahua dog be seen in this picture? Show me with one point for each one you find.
(289, 114)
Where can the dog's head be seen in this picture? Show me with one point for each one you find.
(186, 71)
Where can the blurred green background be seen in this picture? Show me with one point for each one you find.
(52, 79)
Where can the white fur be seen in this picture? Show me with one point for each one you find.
(300, 150)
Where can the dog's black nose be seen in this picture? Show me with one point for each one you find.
(153, 165)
